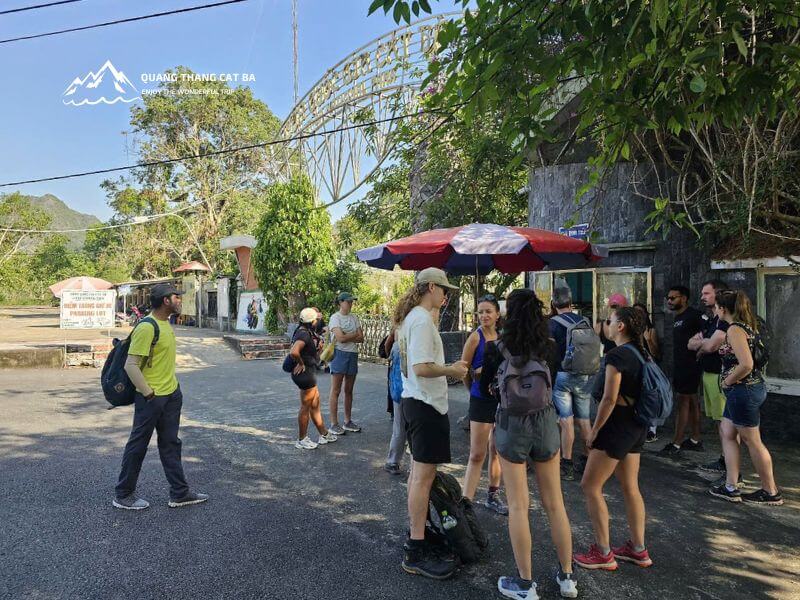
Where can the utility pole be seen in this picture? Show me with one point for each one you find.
(294, 38)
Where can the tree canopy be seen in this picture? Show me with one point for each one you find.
(707, 89)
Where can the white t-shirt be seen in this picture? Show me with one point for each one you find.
(348, 324)
(421, 343)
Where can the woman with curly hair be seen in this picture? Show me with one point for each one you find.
(616, 442)
(534, 437)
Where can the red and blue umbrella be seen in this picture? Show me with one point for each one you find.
(481, 248)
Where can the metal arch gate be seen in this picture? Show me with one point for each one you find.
(378, 82)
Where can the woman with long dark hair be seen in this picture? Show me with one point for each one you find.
(616, 443)
(482, 408)
(535, 437)
(305, 352)
(745, 392)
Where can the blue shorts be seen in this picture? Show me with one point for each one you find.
(743, 404)
(344, 363)
(572, 395)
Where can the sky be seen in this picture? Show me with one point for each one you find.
(40, 136)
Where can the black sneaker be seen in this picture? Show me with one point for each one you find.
(692, 446)
(651, 437)
(392, 468)
(721, 491)
(421, 559)
(670, 450)
(567, 469)
(188, 500)
(763, 498)
(716, 466)
(580, 464)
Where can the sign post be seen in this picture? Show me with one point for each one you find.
(579, 232)
(87, 309)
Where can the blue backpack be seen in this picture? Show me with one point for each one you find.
(117, 386)
(395, 374)
(655, 400)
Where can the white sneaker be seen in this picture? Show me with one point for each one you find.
(328, 438)
(305, 444)
(567, 584)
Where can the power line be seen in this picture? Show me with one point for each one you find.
(141, 220)
(35, 6)
(154, 163)
(119, 21)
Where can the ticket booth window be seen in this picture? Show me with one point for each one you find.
(779, 297)
(591, 288)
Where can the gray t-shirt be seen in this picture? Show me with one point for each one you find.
(348, 324)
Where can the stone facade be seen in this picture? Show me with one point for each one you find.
(618, 214)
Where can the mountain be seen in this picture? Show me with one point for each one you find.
(108, 85)
(63, 217)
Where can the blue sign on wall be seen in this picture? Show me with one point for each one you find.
(579, 232)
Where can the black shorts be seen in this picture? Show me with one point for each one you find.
(686, 379)
(307, 379)
(427, 431)
(482, 410)
(622, 434)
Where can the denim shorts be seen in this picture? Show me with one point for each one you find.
(572, 395)
(743, 404)
(344, 363)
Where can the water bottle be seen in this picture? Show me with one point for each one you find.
(448, 521)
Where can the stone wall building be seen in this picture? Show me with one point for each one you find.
(643, 265)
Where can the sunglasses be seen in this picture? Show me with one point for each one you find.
(487, 298)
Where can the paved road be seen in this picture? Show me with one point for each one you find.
(326, 524)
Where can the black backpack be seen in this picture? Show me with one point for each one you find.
(759, 344)
(117, 386)
(465, 538)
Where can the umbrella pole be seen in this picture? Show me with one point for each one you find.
(477, 295)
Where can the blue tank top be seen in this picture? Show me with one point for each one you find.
(477, 363)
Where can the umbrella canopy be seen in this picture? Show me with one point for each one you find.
(192, 266)
(80, 283)
(481, 248)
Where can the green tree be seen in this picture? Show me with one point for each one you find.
(188, 118)
(294, 254)
(707, 89)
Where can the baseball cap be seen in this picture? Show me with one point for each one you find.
(163, 290)
(562, 294)
(618, 300)
(436, 276)
(345, 297)
(308, 315)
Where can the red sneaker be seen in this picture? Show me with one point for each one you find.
(595, 559)
(628, 554)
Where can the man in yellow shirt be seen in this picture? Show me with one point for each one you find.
(151, 368)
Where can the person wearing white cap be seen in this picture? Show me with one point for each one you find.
(424, 405)
(304, 355)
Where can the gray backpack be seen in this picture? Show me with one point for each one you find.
(583, 347)
(523, 384)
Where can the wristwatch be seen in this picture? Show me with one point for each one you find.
(151, 396)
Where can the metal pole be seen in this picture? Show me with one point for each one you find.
(200, 299)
